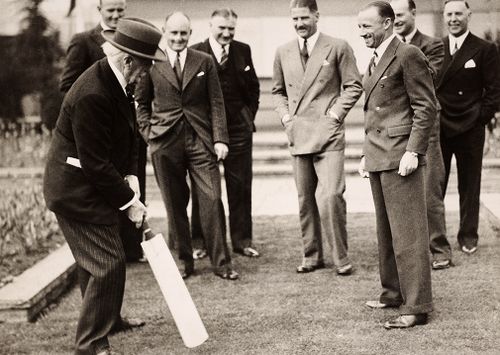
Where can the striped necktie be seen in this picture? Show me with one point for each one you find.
(177, 69)
(223, 57)
(372, 64)
(304, 54)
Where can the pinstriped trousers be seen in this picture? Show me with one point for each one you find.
(100, 260)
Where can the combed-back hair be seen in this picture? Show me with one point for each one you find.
(310, 4)
(384, 9)
(225, 12)
(464, 1)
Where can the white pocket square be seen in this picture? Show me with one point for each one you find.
(470, 64)
(384, 77)
(247, 68)
(325, 62)
(200, 74)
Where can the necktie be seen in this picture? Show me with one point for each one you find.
(403, 39)
(223, 57)
(372, 64)
(304, 54)
(177, 69)
(455, 48)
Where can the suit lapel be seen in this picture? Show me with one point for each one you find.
(320, 51)
(417, 39)
(165, 69)
(117, 92)
(96, 35)
(385, 61)
(466, 52)
(190, 67)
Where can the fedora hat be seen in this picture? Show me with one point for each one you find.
(137, 37)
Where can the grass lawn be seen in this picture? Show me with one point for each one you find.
(273, 310)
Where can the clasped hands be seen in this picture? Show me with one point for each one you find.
(407, 165)
(137, 211)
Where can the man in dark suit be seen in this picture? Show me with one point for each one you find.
(406, 31)
(181, 116)
(468, 89)
(316, 83)
(90, 177)
(84, 50)
(240, 88)
(400, 110)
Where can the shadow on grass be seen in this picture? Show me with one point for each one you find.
(273, 310)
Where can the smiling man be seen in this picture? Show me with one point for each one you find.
(181, 116)
(315, 84)
(400, 110)
(240, 88)
(468, 89)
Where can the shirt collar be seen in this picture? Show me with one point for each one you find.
(104, 26)
(380, 50)
(172, 56)
(217, 47)
(311, 41)
(459, 40)
(119, 76)
(409, 36)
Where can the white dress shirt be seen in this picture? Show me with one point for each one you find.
(217, 48)
(380, 50)
(458, 40)
(172, 56)
(311, 41)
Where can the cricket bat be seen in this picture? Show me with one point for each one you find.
(174, 289)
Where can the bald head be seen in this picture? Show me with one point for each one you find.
(177, 30)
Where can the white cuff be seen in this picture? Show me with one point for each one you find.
(130, 203)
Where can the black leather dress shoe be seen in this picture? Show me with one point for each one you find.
(188, 271)
(304, 269)
(126, 324)
(406, 321)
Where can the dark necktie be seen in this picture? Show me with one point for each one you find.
(455, 48)
(304, 54)
(223, 57)
(403, 39)
(178, 70)
(372, 64)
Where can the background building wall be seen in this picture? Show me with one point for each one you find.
(264, 24)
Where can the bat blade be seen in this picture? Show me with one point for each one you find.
(175, 292)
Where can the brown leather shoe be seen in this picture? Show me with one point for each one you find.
(406, 321)
(228, 274)
(345, 270)
(304, 269)
(441, 264)
(379, 305)
(126, 324)
(199, 254)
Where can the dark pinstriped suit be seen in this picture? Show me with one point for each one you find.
(83, 51)
(97, 126)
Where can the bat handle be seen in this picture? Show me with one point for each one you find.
(146, 230)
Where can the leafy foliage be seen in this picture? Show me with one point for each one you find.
(32, 59)
(27, 228)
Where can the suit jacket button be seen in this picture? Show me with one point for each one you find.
(378, 130)
(460, 92)
(377, 108)
(382, 85)
(290, 85)
(294, 101)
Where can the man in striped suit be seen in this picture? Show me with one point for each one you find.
(90, 177)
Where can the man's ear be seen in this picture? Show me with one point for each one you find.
(387, 23)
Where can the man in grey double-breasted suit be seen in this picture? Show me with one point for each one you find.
(310, 73)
